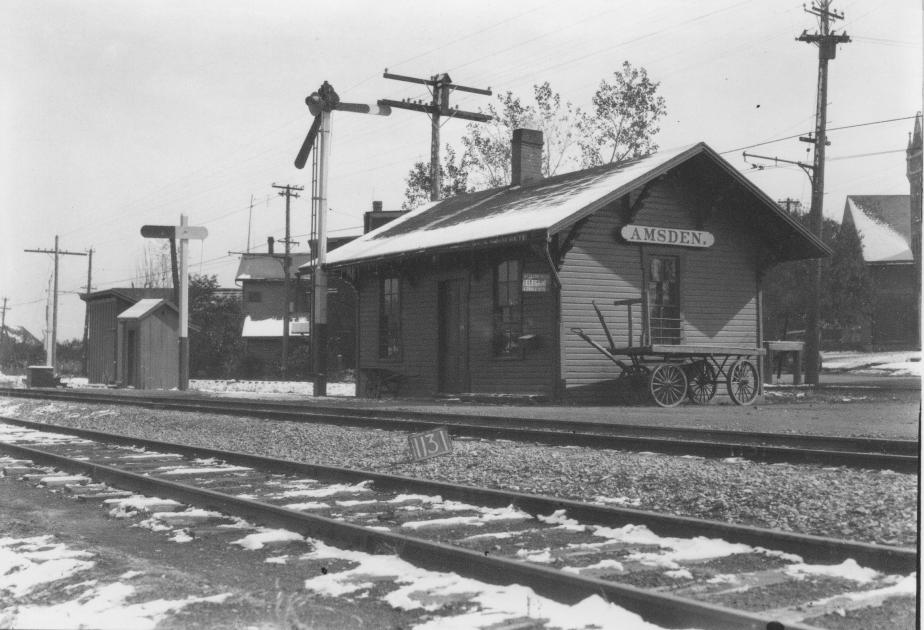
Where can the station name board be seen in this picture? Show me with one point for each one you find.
(666, 236)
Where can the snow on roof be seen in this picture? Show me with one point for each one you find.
(498, 212)
(548, 206)
(142, 307)
(267, 266)
(272, 327)
(884, 225)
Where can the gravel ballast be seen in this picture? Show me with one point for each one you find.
(868, 506)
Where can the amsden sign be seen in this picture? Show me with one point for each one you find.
(666, 236)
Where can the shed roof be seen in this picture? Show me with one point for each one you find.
(884, 225)
(142, 308)
(555, 203)
(267, 266)
(130, 294)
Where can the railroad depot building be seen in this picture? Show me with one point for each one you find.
(479, 293)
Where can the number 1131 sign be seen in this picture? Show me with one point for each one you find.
(430, 443)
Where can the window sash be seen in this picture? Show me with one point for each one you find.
(390, 319)
(508, 308)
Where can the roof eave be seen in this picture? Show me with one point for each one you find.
(517, 237)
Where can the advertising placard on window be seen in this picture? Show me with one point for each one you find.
(535, 282)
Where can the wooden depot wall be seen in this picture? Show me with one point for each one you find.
(534, 370)
(719, 300)
(718, 285)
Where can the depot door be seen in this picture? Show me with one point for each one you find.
(453, 337)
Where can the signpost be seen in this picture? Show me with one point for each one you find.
(184, 232)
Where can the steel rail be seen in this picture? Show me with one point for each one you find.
(658, 608)
(877, 454)
(245, 406)
(819, 549)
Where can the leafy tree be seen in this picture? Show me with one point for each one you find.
(453, 180)
(215, 332)
(487, 145)
(70, 356)
(846, 292)
(621, 125)
(624, 118)
(19, 349)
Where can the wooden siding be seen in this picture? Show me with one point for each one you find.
(718, 285)
(535, 372)
(157, 350)
(101, 339)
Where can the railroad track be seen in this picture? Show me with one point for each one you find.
(672, 571)
(870, 453)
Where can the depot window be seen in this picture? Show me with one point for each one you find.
(508, 308)
(390, 318)
(664, 299)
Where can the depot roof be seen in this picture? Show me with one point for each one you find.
(553, 204)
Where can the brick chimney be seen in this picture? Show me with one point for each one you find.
(376, 206)
(525, 157)
(269, 244)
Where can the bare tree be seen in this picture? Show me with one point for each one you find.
(154, 270)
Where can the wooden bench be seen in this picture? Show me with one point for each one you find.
(781, 348)
(379, 381)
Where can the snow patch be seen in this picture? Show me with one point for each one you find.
(848, 570)
(28, 563)
(265, 537)
(419, 589)
(104, 608)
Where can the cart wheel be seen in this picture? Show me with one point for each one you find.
(743, 382)
(668, 385)
(701, 382)
(633, 383)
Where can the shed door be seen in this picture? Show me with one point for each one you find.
(453, 343)
(131, 359)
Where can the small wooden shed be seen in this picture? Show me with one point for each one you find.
(148, 345)
(479, 292)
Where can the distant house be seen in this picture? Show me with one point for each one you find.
(262, 280)
(480, 292)
(103, 309)
(883, 223)
(889, 227)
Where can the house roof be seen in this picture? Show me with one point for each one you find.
(555, 203)
(142, 308)
(131, 294)
(267, 266)
(884, 225)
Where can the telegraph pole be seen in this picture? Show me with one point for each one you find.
(86, 316)
(3, 326)
(288, 192)
(440, 86)
(249, 221)
(51, 360)
(827, 42)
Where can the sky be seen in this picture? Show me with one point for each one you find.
(117, 114)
